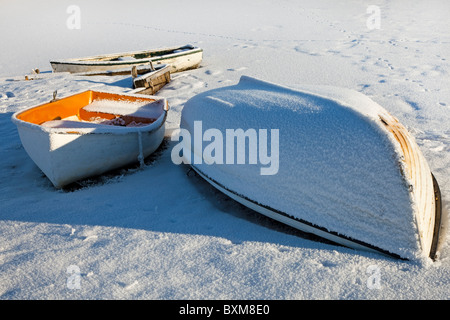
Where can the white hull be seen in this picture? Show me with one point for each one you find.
(66, 158)
(179, 61)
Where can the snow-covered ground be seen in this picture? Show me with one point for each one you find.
(163, 233)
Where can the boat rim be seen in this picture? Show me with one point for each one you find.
(154, 126)
(86, 60)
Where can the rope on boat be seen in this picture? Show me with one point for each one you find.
(141, 152)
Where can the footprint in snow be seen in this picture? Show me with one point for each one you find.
(329, 264)
(91, 237)
(128, 287)
(213, 72)
(238, 69)
(7, 95)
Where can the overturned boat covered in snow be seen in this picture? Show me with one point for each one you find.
(179, 58)
(90, 133)
(325, 160)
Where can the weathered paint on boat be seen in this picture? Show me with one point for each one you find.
(151, 82)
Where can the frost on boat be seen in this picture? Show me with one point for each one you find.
(90, 133)
(348, 170)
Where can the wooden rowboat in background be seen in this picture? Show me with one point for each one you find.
(179, 58)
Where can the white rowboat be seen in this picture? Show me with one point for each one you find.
(90, 133)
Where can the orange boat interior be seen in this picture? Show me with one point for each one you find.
(73, 106)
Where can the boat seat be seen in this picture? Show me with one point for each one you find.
(145, 110)
(72, 124)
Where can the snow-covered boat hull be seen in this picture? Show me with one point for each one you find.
(179, 58)
(70, 150)
(348, 170)
(292, 221)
